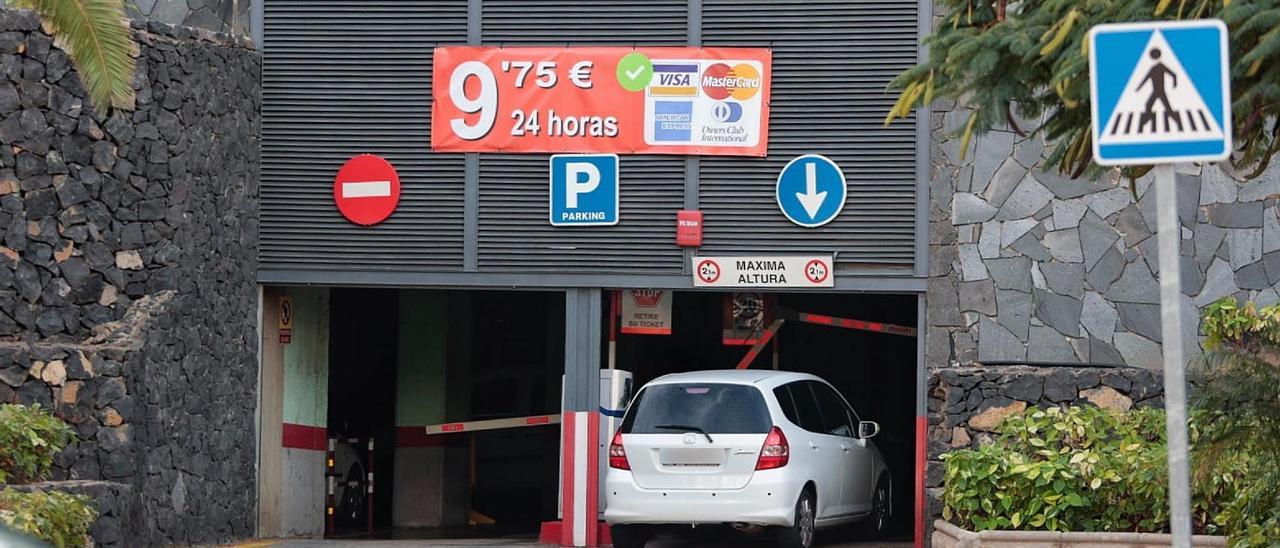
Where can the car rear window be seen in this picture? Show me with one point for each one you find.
(715, 408)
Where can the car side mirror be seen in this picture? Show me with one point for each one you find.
(868, 429)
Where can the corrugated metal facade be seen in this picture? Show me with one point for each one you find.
(831, 62)
(514, 232)
(342, 78)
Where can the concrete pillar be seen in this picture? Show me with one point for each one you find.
(270, 417)
(431, 473)
(580, 426)
(305, 414)
(582, 313)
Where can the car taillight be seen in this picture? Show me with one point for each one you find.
(775, 452)
(618, 455)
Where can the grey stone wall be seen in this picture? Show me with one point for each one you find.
(227, 16)
(128, 247)
(1029, 265)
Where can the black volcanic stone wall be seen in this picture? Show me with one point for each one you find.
(128, 246)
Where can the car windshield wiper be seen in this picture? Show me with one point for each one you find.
(686, 428)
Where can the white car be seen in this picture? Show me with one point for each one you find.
(747, 448)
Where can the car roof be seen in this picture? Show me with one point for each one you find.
(759, 377)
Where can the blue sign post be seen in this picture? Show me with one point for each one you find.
(1161, 94)
(811, 190)
(584, 189)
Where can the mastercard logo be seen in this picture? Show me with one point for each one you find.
(741, 81)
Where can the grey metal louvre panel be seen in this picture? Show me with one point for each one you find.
(341, 79)
(582, 23)
(831, 62)
(514, 231)
(516, 235)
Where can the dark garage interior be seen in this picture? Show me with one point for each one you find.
(876, 372)
(503, 358)
(505, 352)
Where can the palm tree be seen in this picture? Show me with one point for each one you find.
(1237, 392)
(96, 36)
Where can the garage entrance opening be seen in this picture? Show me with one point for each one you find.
(412, 369)
(875, 371)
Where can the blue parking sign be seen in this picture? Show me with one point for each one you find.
(584, 189)
(1160, 92)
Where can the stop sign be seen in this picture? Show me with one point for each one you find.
(366, 189)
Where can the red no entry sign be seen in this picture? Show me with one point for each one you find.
(366, 189)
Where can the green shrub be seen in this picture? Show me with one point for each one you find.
(58, 518)
(1078, 469)
(1227, 323)
(1082, 469)
(1237, 384)
(30, 436)
(1217, 483)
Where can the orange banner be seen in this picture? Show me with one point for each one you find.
(712, 101)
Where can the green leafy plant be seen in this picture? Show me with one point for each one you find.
(30, 436)
(61, 519)
(1078, 469)
(1087, 469)
(1229, 325)
(96, 36)
(1237, 384)
(1030, 58)
(1219, 484)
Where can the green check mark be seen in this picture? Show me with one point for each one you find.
(634, 71)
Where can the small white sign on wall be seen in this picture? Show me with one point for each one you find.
(646, 312)
(770, 271)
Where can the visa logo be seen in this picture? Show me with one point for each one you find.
(673, 79)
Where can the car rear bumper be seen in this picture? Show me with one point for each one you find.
(768, 499)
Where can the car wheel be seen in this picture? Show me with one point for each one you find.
(629, 536)
(877, 524)
(800, 534)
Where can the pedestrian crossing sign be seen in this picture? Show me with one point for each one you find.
(1160, 92)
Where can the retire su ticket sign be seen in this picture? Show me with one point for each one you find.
(711, 101)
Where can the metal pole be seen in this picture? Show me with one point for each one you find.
(368, 513)
(1175, 383)
(776, 352)
(922, 420)
(764, 339)
(614, 297)
(330, 477)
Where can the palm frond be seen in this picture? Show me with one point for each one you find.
(1239, 393)
(97, 38)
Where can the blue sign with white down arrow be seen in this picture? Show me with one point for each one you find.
(811, 190)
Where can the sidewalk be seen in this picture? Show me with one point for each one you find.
(472, 543)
